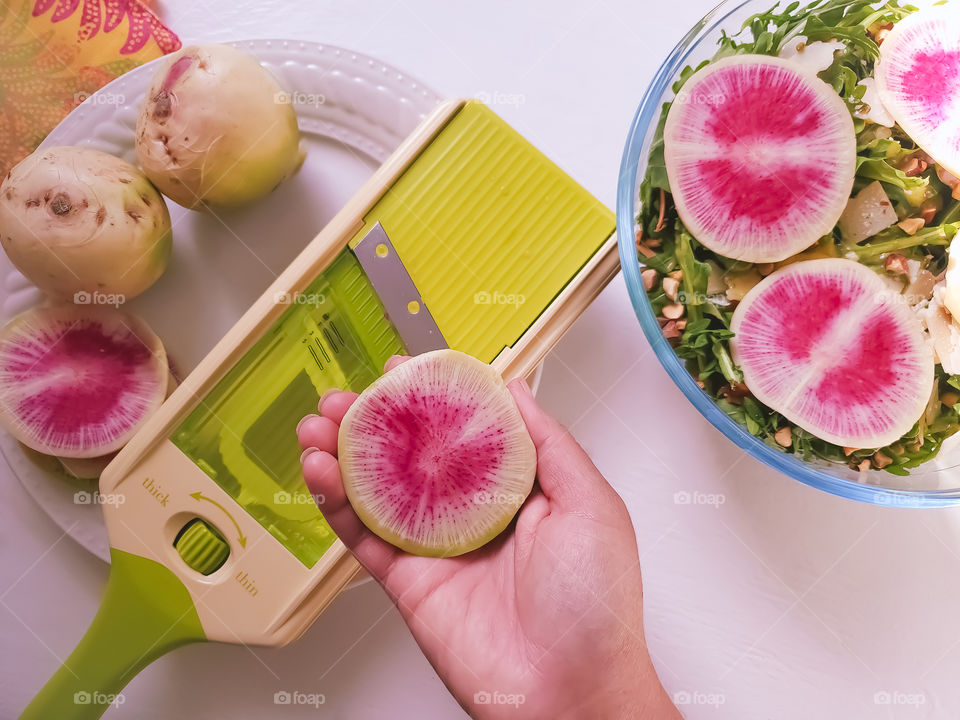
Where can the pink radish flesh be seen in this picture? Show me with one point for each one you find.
(918, 78)
(435, 457)
(829, 347)
(78, 382)
(760, 157)
(430, 436)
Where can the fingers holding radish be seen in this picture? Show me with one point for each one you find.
(316, 431)
(321, 472)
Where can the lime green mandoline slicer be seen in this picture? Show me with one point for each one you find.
(467, 237)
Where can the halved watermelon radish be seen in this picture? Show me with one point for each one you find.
(918, 78)
(79, 381)
(435, 456)
(761, 156)
(827, 345)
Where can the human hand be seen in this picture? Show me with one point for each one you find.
(545, 621)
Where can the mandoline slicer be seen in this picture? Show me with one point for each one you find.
(466, 237)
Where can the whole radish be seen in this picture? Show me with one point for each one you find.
(77, 222)
(217, 129)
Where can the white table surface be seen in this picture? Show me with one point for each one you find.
(780, 603)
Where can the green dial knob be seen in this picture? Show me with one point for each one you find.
(202, 547)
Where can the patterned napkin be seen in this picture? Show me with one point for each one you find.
(55, 53)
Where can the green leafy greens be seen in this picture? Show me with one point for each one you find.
(883, 155)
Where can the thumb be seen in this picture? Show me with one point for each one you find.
(565, 472)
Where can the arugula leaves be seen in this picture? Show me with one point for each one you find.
(882, 155)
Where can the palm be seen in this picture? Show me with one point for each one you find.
(510, 627)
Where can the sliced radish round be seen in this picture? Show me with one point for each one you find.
(435, 457)
(827, 345)
(918, 78)
(78, 381)
(761, 156)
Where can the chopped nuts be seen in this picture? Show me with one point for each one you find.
(784, 437)
(913, 166)
(670, 288)
(682, 324)
(673, 312)
(670, 330)
(897, 264)
(766, 268)
(734, 394)
(880, 460)
(951, 180)
(645, 251)
(911, 225)
(849, 451)
(649, 277)
(677, 275)
(642, 247)
(864, 466)
(880, 34)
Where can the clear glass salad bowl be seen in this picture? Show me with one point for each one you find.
(933, 484)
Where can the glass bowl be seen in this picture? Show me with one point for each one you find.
(933, 484)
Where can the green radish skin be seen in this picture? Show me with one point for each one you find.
(435, 457)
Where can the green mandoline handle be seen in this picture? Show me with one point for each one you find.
(146, 612)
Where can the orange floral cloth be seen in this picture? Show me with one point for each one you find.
(54, 53)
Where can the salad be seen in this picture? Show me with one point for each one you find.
(797, 218)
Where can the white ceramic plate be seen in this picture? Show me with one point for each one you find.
(353, 112)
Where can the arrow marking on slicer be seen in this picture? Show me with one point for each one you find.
(241, 538)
